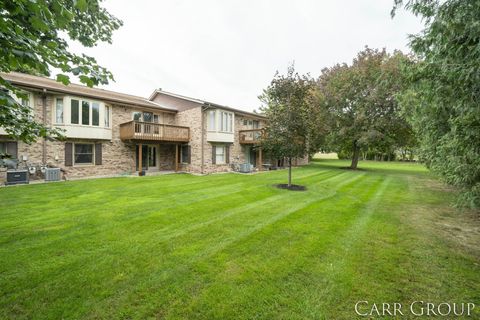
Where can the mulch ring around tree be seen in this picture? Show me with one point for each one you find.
(350, 168)
(293, 187)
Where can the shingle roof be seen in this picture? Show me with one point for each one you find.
(35, 82)
(203, 102)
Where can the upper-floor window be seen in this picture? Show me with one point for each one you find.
(84, 112)
(95, 114)
(211, 120)
(74, 111)
(251, 124)
(218, 120)
(107, 117)
(59, 110)
(146, 117)
(226, 121)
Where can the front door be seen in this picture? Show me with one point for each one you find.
(149, 157)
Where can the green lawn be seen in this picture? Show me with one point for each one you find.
(231, 246)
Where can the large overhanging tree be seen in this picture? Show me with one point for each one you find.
(444, 97)
(361, 102)
(295, 126)
(32, 39)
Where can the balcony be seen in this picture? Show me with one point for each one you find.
(251, 136)
(136, 130)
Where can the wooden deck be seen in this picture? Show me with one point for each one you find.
(251, 136)
(147, 131)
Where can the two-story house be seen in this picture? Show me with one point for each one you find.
(110, 133)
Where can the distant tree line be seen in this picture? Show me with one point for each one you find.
(394, 106)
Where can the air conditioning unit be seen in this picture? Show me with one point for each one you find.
(245, 167)
(17, 177)
(52, 174)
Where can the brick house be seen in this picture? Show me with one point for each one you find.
(110, 133)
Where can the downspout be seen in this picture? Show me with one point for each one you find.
(44, 145)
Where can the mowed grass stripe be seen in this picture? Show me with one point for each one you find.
(263, 253)
(236, 247)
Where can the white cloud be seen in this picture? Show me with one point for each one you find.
(228, 51)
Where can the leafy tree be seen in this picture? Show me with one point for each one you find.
(295, 127)
(444, 97)
(361, 101)
(31, 39)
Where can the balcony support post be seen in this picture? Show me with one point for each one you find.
(140, 158)
(260, 160)
(176, 157)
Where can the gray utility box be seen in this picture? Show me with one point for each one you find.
(17, 177)
(52, 174)
(245, 168)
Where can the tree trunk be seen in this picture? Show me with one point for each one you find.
(289, 172)
(356, 154)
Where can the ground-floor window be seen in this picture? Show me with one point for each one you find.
(185, 154)
(8, 150)
(220, 154)
(83, 153)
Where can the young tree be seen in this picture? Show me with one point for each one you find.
(361, 101)
(295, 127)
(444, 97)
(31, 40)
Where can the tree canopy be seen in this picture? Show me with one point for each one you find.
(360, 100)
(295, 127)
(32, 39)
(443, 99)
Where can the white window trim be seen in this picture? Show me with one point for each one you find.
(83, 164)
(107, 109)
(222, 147)
(67, 112)
(161, 116)
(55, 98)
(219, 121)
(215, 117)
(183, 161)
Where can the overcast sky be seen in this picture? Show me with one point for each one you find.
(228, 51)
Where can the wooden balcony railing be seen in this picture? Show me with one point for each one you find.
(251, 136)
(137, 130)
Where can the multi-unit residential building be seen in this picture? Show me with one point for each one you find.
(109, 133)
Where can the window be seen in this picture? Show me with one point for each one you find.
(245, 122)
(219, 154)
(185, 154)
(25, 101)
(74, 112)
(59, 110)
(147, 117)
(255, 124)
(9, 148)
(137, 116)
(95, 114)
(107, 116)
(85, 113)
(211, 120)
(83, 153)
(226, 121)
